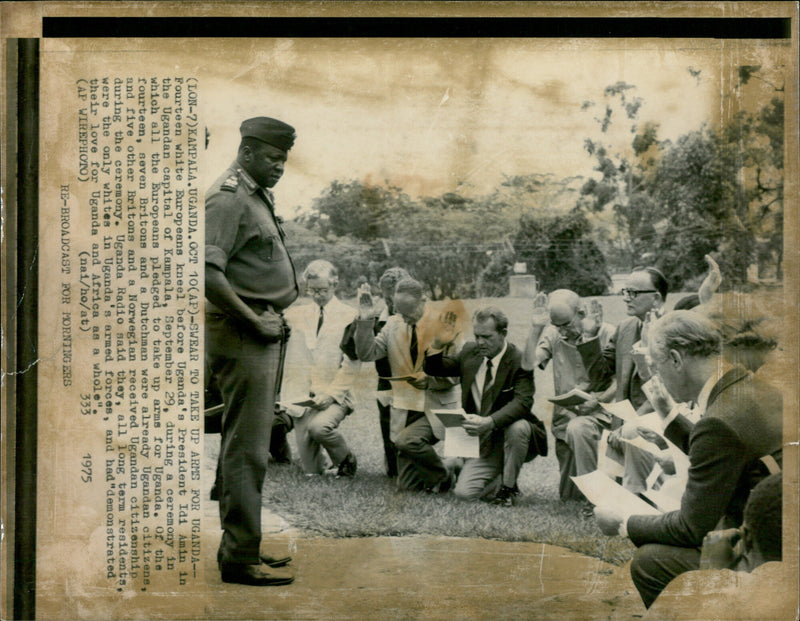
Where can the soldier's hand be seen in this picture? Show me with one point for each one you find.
(269, 325)
(366, 305)
(592, 320)
(539, 314)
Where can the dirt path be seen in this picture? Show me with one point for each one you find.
(422, 578)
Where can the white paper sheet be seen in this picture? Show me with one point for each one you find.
(601, 490)
(622, 409)
(669, 492)
(609, 461)
(457, 443)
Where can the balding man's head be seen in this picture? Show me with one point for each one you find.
(566, 313)
(684, 346)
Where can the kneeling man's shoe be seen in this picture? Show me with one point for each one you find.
(348, 467)
(506, 495)
(273, 561)
(252, 575)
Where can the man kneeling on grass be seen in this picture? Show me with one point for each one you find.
(403, 341)
(497, 394)
(730, 449)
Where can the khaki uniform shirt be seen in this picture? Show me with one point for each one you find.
(245, 241)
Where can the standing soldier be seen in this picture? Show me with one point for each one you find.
(250, 280)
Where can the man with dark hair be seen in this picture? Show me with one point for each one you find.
(250, 280)
(403, 341)
(738, 437)
(761, 531)
(644, 296)
(741, 575)
(497, 395)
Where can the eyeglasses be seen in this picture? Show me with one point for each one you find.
(318, 291)
(633, 293)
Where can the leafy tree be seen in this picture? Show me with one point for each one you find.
(717, 191)
(754, 144)
(358, 210)
(558, 249)
(456, 246)
(353, 258)
(696, 208)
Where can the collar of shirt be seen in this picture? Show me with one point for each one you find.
(495, 363)
(250, 184)
(705, 392)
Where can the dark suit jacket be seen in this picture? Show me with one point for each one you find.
(616, 360)
(743, 422)
(507, 400)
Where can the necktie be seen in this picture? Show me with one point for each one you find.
(414, 349)
(487, 378)
(321, 318)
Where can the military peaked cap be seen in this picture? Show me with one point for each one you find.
(272, 131)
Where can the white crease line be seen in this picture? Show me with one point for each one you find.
(541, 567)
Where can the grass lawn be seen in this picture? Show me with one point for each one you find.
(369, 505)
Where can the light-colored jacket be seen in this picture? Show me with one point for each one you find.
(315, 363)
(393, 341)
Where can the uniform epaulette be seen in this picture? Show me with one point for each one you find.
(230, 184)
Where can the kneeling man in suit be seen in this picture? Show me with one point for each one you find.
(497, 394)
(737, 442)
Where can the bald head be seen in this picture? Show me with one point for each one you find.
(566, 313)
(563, 305)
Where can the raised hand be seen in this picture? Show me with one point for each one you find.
(366, 305)
(592, 320)
(446, 331)
(539, 314)
(658, 396)
(711, 282)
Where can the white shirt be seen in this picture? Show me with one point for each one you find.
(478, 387)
